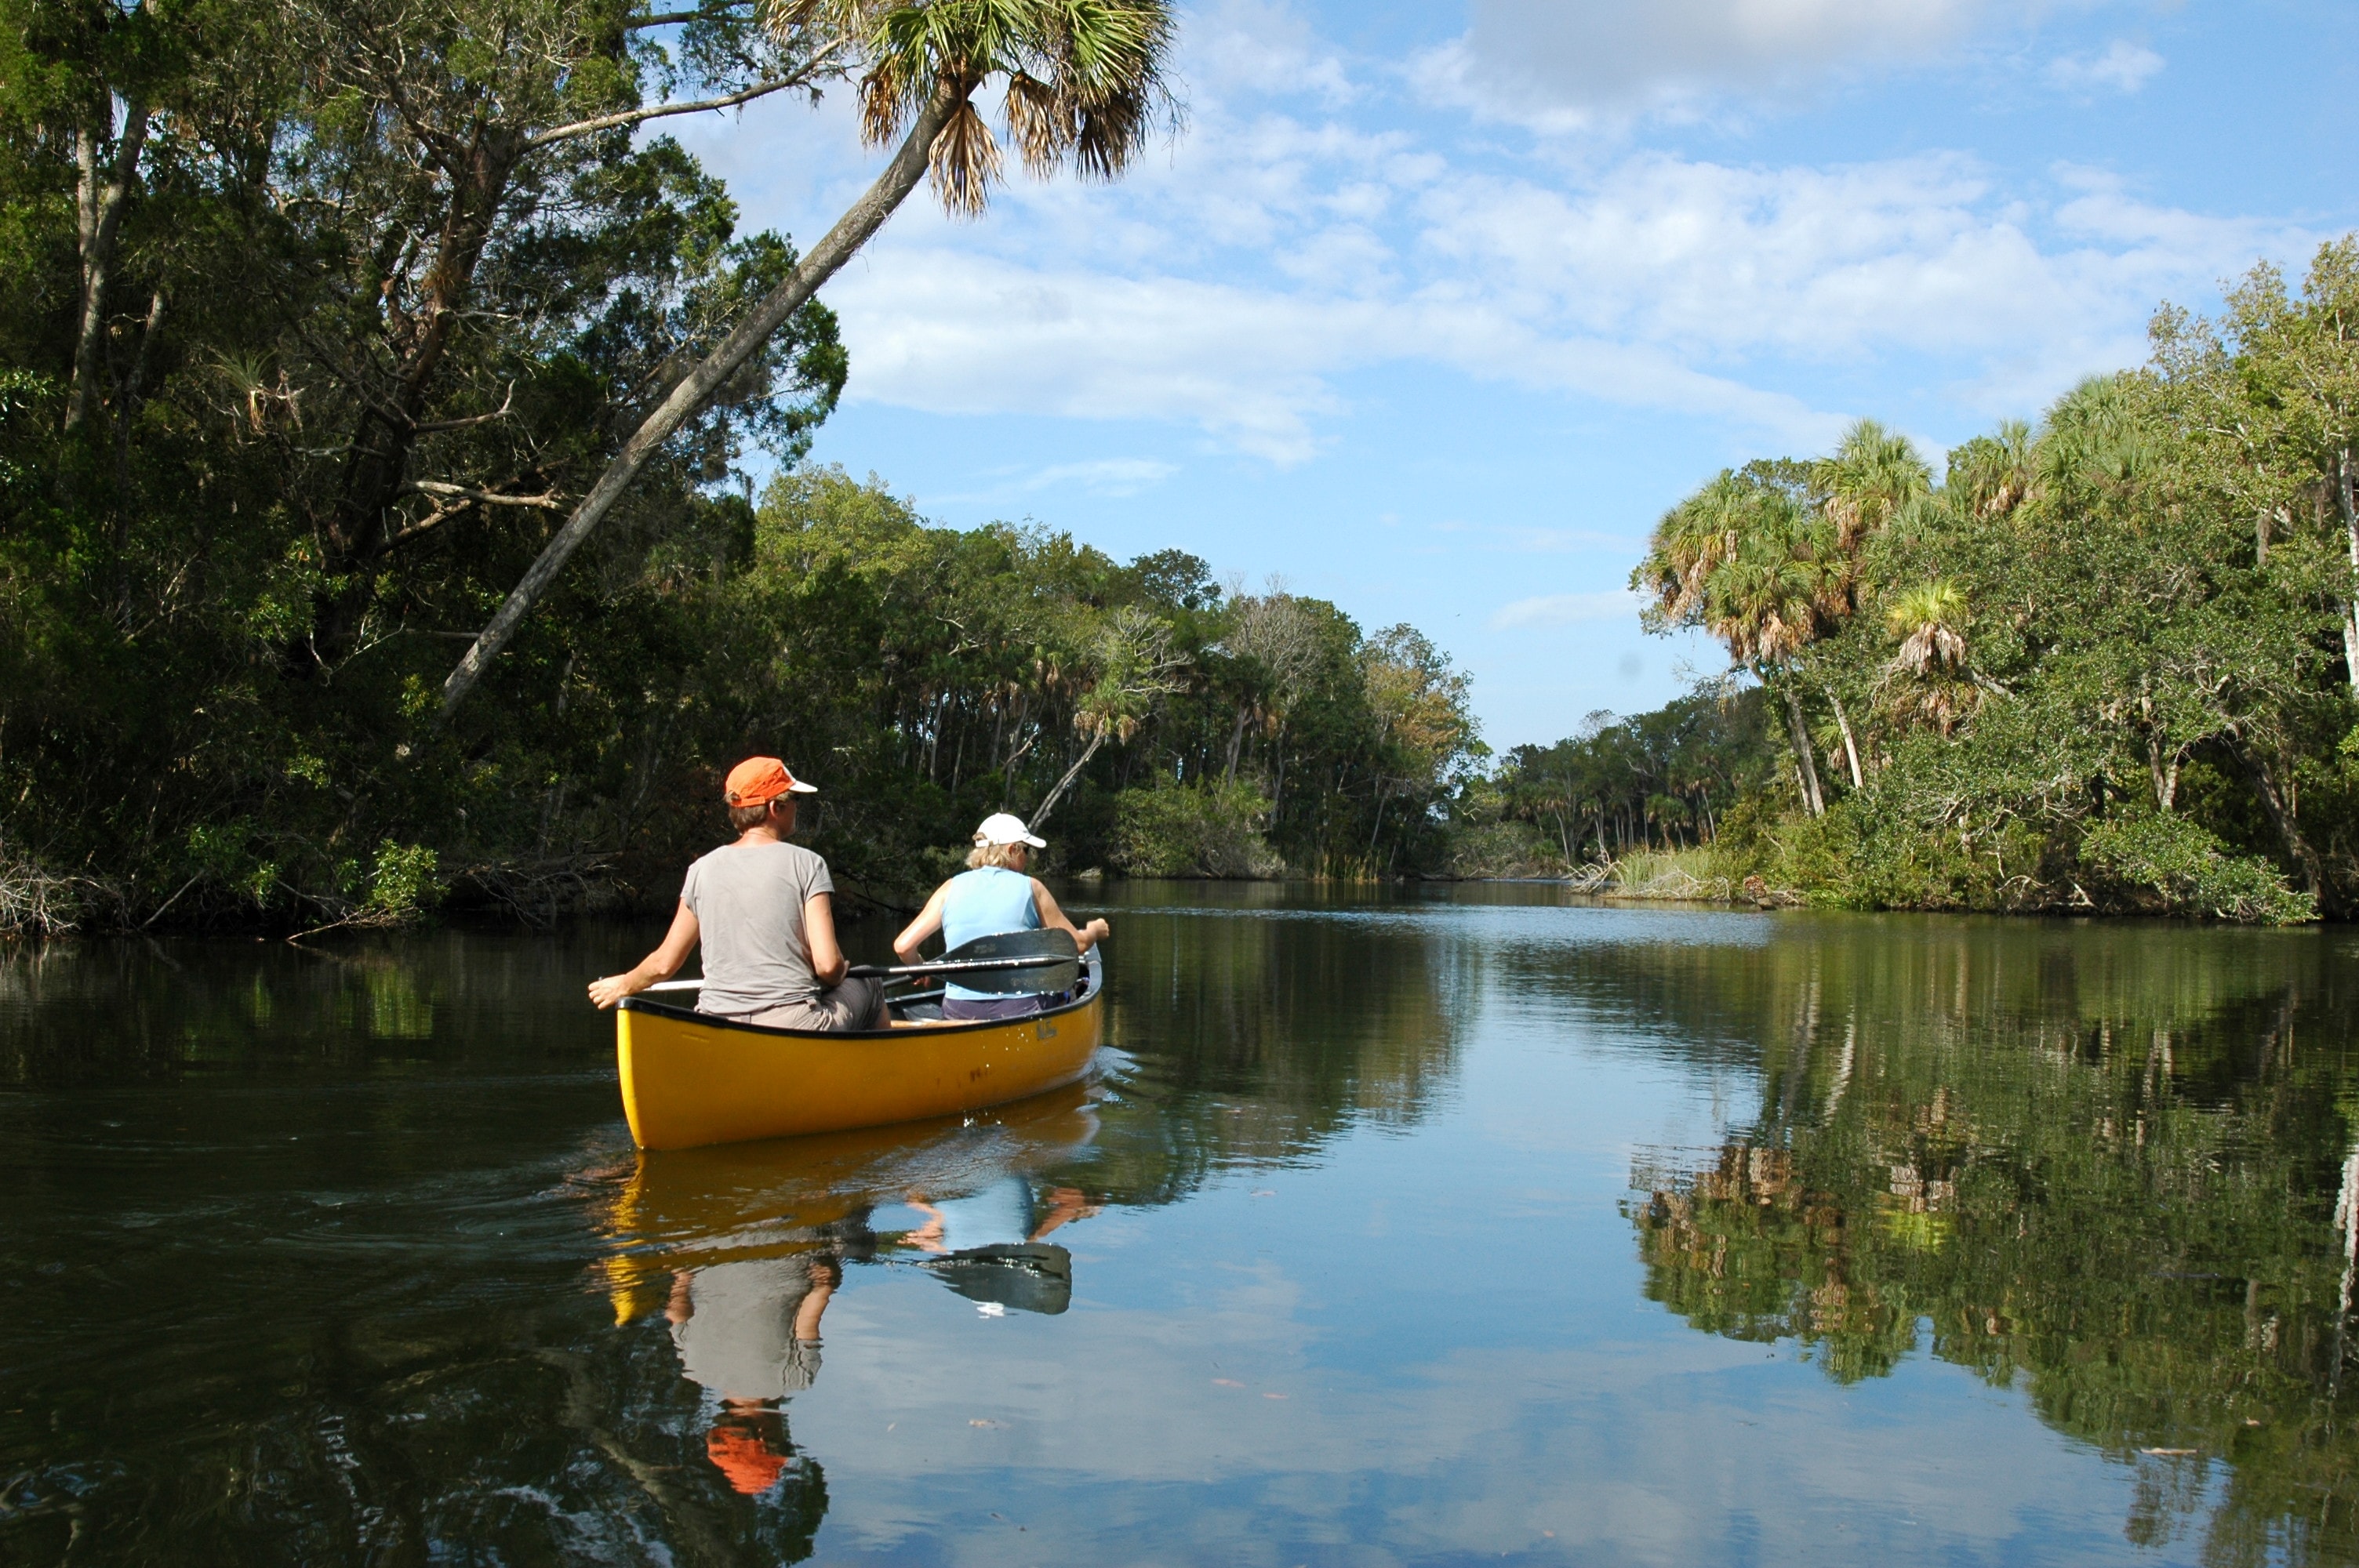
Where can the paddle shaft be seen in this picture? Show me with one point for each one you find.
(882, 972)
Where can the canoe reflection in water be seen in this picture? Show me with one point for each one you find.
(743, 1247)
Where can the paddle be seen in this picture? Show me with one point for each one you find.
(1013, 963)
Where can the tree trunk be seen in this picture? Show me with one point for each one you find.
(379, 460)
(1804, 757)
(98, 218)
(2166, 779)
(1277, 781)
(1851, 747)
(1040, 812)
(2342, 498)
(2267, 784)
(852, 230)
(1236, 742)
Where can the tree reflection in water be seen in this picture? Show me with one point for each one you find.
(2115, 1170)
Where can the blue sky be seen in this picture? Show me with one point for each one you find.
(1432, 310)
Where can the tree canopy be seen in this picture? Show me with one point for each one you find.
(2107, 662)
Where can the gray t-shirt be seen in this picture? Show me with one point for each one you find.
(739, 1337)
(749, 902)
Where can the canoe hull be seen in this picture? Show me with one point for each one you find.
(689, 1080)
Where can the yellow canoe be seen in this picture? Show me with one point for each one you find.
(689, 1079)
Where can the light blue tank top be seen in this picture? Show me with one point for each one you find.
(986, 903)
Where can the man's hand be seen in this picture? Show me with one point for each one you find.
(610, 988)
(660, 965)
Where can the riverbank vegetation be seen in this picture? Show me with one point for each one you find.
(325, 334)
(2103, 663)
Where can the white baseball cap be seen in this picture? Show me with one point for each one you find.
(1000, 827)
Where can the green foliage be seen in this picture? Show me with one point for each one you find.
(2184, 864)
(2111, 660)
(1659, 779)
(378, 294)
(402, 884)
(1209, 830)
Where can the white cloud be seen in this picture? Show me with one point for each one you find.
(1304, 230)
(2124, 67)
(959, 334)
(1105, 476)
(1565, 64)
(953, 333)
(1565, 610)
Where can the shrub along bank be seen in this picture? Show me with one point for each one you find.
(924, 677)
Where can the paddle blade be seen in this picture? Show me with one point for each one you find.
(1042, 944)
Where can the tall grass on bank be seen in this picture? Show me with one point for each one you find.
(1671, 873)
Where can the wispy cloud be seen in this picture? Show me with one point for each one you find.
(1565, 610)
(2124, 67)
(1572, 65)
(1105, 476)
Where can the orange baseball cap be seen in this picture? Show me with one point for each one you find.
(757, 781)
(744, 1457)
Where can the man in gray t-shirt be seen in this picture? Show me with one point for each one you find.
(764, 910)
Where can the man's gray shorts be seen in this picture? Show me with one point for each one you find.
(855, 1004)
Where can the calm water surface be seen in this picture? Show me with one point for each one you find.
(1472, 1225)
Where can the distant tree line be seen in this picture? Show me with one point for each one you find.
(1659, 780)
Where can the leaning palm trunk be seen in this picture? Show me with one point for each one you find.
(1851, 746)
(1040, 812)
(852, 230)
(1803, 754)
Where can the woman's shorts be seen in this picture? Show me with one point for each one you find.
(970, 1008)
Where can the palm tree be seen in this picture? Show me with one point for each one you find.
(1137, 667)
(2096, 441)
(1992, 475)
(1870, 479)
(1746, 559)
(1931, 622)
(1691, 542)
(1773, 600)
(1084, 84)
(1870, 476)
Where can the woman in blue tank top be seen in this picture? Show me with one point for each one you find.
(997, 894)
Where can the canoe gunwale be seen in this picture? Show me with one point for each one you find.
(1094, 966)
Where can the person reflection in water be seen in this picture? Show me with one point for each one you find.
(989, 1248)
(748, 1333)
(999, 1215)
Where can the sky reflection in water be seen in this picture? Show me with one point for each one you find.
(1392, 1228)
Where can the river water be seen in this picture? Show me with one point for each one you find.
(1469, 1225)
